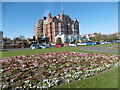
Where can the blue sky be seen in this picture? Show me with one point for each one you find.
(19, 18)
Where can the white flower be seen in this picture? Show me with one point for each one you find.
(44, 87)
(88, 75)
(1, 70)
(27, 81)
(30, 84)
(38, 87)
(78, 68)
(31, 87)
(68, 80)
(71, 60)
(56, 62)
(34, 86)
(45, 80)
(20, 87)
(23, 65)
(54, 59)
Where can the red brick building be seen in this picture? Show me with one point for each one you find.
(56, 25)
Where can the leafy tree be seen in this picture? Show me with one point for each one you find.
(16, 40)
(47, 39)
(77, 41)
(114, 36)
(83, 38)
(98, 37)
(92, 39)
(7, 40)
(59, 41)
(33, 42)
(102, 37)
(111, 37)
(21, 37)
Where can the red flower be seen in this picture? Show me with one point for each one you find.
(46, 73)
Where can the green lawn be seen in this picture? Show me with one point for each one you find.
(103, 80)
(47, 50)
(37, 51)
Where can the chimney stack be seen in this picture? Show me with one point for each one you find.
(75, 19)
(44, 18)
(49, 16)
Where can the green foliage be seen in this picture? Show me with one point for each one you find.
(112, 37)
(7, 40)
(21, 37)
(92, 39)
(73, 41)
(59, 41)
(47, 39)
(32, 42)
(98, 37)
(102, 37)
(77, 41)
(83, 38)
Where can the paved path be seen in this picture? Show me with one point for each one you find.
(99, 49)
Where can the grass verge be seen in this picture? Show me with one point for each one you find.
(47, 50)
(105, 79)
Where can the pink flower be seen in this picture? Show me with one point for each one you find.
(41, 65)
(84, 68)
(66, 69)
(57, 74)
(70, 67)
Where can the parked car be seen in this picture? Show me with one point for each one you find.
(59, 45)
(115, 41)
(72, 44)
(81, 44)
(102, 42)
(108, 42)
(34, 46)
(96, 43)
(52, 44)
(90, 43)
(43, 46)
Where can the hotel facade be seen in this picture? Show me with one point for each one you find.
(57, 26)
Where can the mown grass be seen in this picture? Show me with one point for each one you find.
(105, 79)
(47, 50)
(0, 54)
(37, 51)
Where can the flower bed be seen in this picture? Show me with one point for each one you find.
(50, 69)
